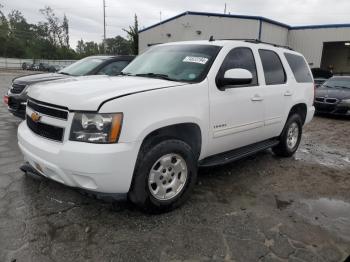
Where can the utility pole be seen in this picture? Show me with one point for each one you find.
(225, 9)
(104, 20)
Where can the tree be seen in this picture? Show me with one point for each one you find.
(50, 38)
(65, 28)
(133, 36)
(84, 49)
(80, 47)
(55, 30)
(91, 48)
(4, 32)
(19, 35)
(117, 46)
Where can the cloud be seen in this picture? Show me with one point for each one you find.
(86, 16)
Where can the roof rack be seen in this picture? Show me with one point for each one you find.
(254, 41)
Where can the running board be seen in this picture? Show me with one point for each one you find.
(230, 156)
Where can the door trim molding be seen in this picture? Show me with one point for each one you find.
(237, 129)
(273, 120)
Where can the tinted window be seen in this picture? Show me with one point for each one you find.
(337, 83)
(273, 69)
(113, 68)
(241, 57)
(83, 66)
(299, 67)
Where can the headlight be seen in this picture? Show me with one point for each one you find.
(96, 128)
(345, 102)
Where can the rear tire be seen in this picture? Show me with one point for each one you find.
(164, 176)
(290, 137)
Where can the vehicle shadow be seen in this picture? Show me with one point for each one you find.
(210, 180)
(330, 116)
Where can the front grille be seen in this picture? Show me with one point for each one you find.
(48, 131)
(319, 99)
(331, 100)
(326, 100)
(15, 104)
(49, 111)
(17, 88)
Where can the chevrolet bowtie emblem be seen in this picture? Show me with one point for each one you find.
(35, 117)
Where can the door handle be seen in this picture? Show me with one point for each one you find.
(288, 93)
(257, 98)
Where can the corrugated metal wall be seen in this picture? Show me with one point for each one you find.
(187, 28)
(309, 42)
(274, 34)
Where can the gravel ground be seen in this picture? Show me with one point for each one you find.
(261, 208)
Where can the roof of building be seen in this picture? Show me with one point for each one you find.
(259, 18)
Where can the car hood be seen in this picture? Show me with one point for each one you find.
(339, 93)
(37, 78)
(89, 92)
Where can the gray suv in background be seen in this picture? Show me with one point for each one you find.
(16, 98)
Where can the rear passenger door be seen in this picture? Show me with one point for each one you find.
(276, 92)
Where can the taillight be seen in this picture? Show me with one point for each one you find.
(6, 100)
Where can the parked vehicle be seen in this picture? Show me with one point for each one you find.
(175, 107)
(333, 97)
(55, 68)
(321, 73)
(44, 67)
(319, 81)
(320, 76)
(33, 67)
(93, 65)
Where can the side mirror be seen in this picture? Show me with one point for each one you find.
(235, 77)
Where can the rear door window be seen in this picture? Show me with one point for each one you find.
(273, 68)
(299, 68)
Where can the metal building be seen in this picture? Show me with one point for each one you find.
(325, 46)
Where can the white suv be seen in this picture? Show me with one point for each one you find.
(176, 107)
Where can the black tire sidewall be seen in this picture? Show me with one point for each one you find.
(140, 193)
(295, 118)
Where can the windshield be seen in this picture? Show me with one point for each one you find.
(341, 82)
(82, 67)
(184, 63)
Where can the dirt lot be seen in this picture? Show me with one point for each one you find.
(258, 209)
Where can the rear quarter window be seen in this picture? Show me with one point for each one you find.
(273, 68)
(299, 68)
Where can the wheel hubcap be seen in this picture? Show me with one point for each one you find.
(292, 135)
(167, 176)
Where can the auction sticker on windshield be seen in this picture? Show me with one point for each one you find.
(194, 59)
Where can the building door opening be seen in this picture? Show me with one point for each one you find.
(336, 57)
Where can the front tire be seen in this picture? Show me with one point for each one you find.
(290, 137)
(164, 176)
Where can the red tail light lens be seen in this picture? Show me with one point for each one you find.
(6, 100)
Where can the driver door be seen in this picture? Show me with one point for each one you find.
(237, 111)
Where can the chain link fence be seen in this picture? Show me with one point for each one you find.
(16, 63)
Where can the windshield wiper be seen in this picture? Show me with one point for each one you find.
(64, 73)
(155, 75)
(125, 74)
(341, 86)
